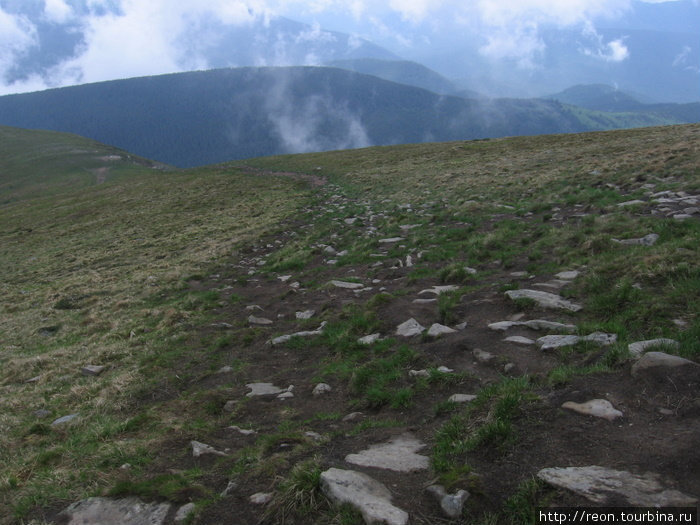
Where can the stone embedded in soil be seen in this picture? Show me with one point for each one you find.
(418, 373)
(647, 240)
(370, 497)
(551, 342)
(461, 398)
(65, 419)
(183, 513)
(483, 357)
(266, 389)
(306, 314)
(517, 339)
(638, 348)
(261, 321)
(652, 360)
(261, 498)
(353, 416)
(398, 455)
(568, 276)
(451, 504)
(600, 485)
(390, 240)
(92, 370)
(347, 285)
(437, 290)
(437, 330)
(424, 301)
(202, 449)
(284, 338)
(410, 328)
(243, 431)
(128, 511)
(369, 339)
(544, 299)
(596, 407)
(321, 388)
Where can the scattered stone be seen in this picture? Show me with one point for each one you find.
(638, 348)
(461, 398)
(519, 340)
(284, 278)
(306, 314)
(243, 431)
(284, 338)
(630, 203)
(398, 455)
(184, 512)
(321, 388)
(33, 379)
(259, 321)
(329, 250)
(437, 290)
(390, 240)
(230, 406)
(92, 370)
(519, 274)
(409, 328)
(424, 301)
(353, 416)
(551, 342)
(350, 221)
(540, 324)
(508, 368)
(681, 216)
(232, 485)
(659, 359)
(369, 339)
(461, 326)
(128, 511)
(407, 227)
(65, 419)
(568, 276)
(285, 395)
(647, 240)
(371, 498)
(253, 307)
(600, 485)
(202, 449)
(42, 413)
(444, 370)
(266, 389)
(314, 435)
(437, 330)
(482, 356)
(418, 373)
(544, 299)
(597, 407)
(225, 370)
(347, 285)
(261, 498)
(451, 504)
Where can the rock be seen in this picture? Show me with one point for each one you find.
(33, 379)
(321, 388)
(647, 240)
(544, 299)
(461, 326)
(225, 370)
(284, 338)
(437, 330)
(371, 498)
(652, 360)
(451, 504)
(483, 357)
(285, 395)
(540, 324)
(243, 431)
(202, 449)
(437, 290)
(424, 301)
(461, 398)
(600, 485)
(369, 339)
(502, 326)
(42, 413)
(184, 512)
(263, 389)
(261, 498)
(638, 348)
(306, 314)
(568, 276)
(398, 455)
(230, 406)
(444, 370)
(92, 370)
(253, 307)
(390, 240)
(418, 373)
(232, 485)
(65, 419)
(519, 340)
(551, 342)
(630, 203)
(329, 250)
(347, 285)
(350, 221)
(597, 407)
(284, 278)
(409, 328)
(509, 367)
(353, 416)
(259, 321)
(128, 511)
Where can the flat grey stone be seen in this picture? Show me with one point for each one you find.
(437, 330)
(306, 314)
(519, 340)
(544, 299)
(321, 388)
(647, 240)
(309, 333)
(347, 285)
(568, 276)
(369, 339)
(424, 301)
(551, 342)
(638, 348)
(410, 328)
(418, 373)
(243, 431)
(264, 389)
(261, 321)
(398, 455)
(65, 419)
(390, 240)
(437, 290)
(482, 356)
(371, 498)
(630, 203)
(92, 370)
(202, 449)
(541, 324)
(451, 504)
(104, 511)
(353, 416)
(462, 398)
(184, 512)
(659, 359)
(261, 498)
(596, 407)
(597, 484)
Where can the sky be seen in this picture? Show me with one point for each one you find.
(128, 38)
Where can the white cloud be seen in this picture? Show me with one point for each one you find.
(57, 11)
(17, 35)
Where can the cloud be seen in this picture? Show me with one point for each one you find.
(57, 11)
(17, 36)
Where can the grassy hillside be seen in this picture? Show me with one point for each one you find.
(197, 118)
(155, 276)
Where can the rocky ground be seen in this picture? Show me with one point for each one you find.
(408, 394)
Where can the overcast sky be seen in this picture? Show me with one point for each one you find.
(127, 38)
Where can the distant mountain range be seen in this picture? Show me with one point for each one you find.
(204, 117)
